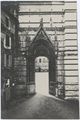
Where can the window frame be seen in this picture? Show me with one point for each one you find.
(8, 20)
(7, 47)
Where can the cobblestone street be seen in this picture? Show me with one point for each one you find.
(41, 107)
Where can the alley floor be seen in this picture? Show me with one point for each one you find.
(42, 107)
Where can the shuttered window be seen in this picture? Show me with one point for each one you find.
(7, 42)
(7, 22)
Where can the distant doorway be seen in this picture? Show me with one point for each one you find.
(41, 46)
(42, 75)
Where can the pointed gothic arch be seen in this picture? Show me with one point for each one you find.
(41, 46)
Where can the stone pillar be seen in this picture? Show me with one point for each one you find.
(52, 77)
(30, 76)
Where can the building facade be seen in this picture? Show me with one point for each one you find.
(9, 36)
(60, 24)
(47, 29)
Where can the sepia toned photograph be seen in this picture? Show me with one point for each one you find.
(39, 59)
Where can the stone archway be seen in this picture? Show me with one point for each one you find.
(41, 46)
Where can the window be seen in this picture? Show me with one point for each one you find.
(7, 21)
(39, 60)
(15, 14)
(43, 60)
(7, 60)
(7, 42)
(10, 61)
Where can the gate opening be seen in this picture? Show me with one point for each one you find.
(42, 75)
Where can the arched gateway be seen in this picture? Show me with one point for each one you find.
(41, 46)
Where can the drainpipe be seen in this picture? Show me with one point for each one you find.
(56, 54)
(27, 71)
